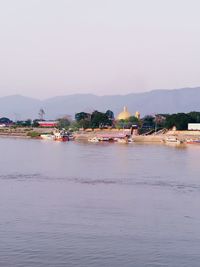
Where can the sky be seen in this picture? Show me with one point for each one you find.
(61, 47)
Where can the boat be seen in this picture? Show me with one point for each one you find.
(103, 139)
(57, 135)
(172, 140)
(60, 136)
(193, 141)
(71, 137)
(122, 141)
(93, 140)
(130, 140)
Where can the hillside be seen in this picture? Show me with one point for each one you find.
(156, 101)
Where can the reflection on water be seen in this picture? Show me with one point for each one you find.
(79, 204)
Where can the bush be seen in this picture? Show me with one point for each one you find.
(33, 134)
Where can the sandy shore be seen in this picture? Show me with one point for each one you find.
(181, 135)
(84, 135)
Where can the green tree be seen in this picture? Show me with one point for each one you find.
(28, 123)
(110, 114)
(63, 123)
(35, 123)
(83, 120)
(83, 124)
(195, 116)
(180, 120)
(148, 122)
(100, 120)
(82, 116)
(128, 123)
(134, 120)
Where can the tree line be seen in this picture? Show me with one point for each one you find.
(99, 119)
(148, 122)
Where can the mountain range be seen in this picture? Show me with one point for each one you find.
(19, 107)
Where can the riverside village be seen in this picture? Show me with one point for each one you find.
(96, 127)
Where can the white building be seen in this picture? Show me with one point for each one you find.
(194, 126)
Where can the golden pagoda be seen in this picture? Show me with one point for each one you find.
(124, 115)
(137, 115)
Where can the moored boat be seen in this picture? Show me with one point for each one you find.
(60, 136)
(125, 140)
(193, 141)
(122, 141)
(57, 135)
(93, 140)
(172, 140)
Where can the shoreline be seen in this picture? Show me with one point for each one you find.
(23, 133)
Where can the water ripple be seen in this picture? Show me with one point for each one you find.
(152, 182)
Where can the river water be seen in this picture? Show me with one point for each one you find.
(78, 204)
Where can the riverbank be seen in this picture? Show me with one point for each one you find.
(24, 132)
(153, 138)
(33, 133)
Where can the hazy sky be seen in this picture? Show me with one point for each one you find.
(55, 47)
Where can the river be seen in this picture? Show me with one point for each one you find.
(77, 204)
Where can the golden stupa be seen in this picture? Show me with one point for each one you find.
(137, 115)
(124, 115)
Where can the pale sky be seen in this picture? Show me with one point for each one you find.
(60, 47)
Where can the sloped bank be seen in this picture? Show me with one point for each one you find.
(148, 138)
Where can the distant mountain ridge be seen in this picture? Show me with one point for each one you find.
(19, 107)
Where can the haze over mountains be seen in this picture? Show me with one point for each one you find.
(19, 107)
